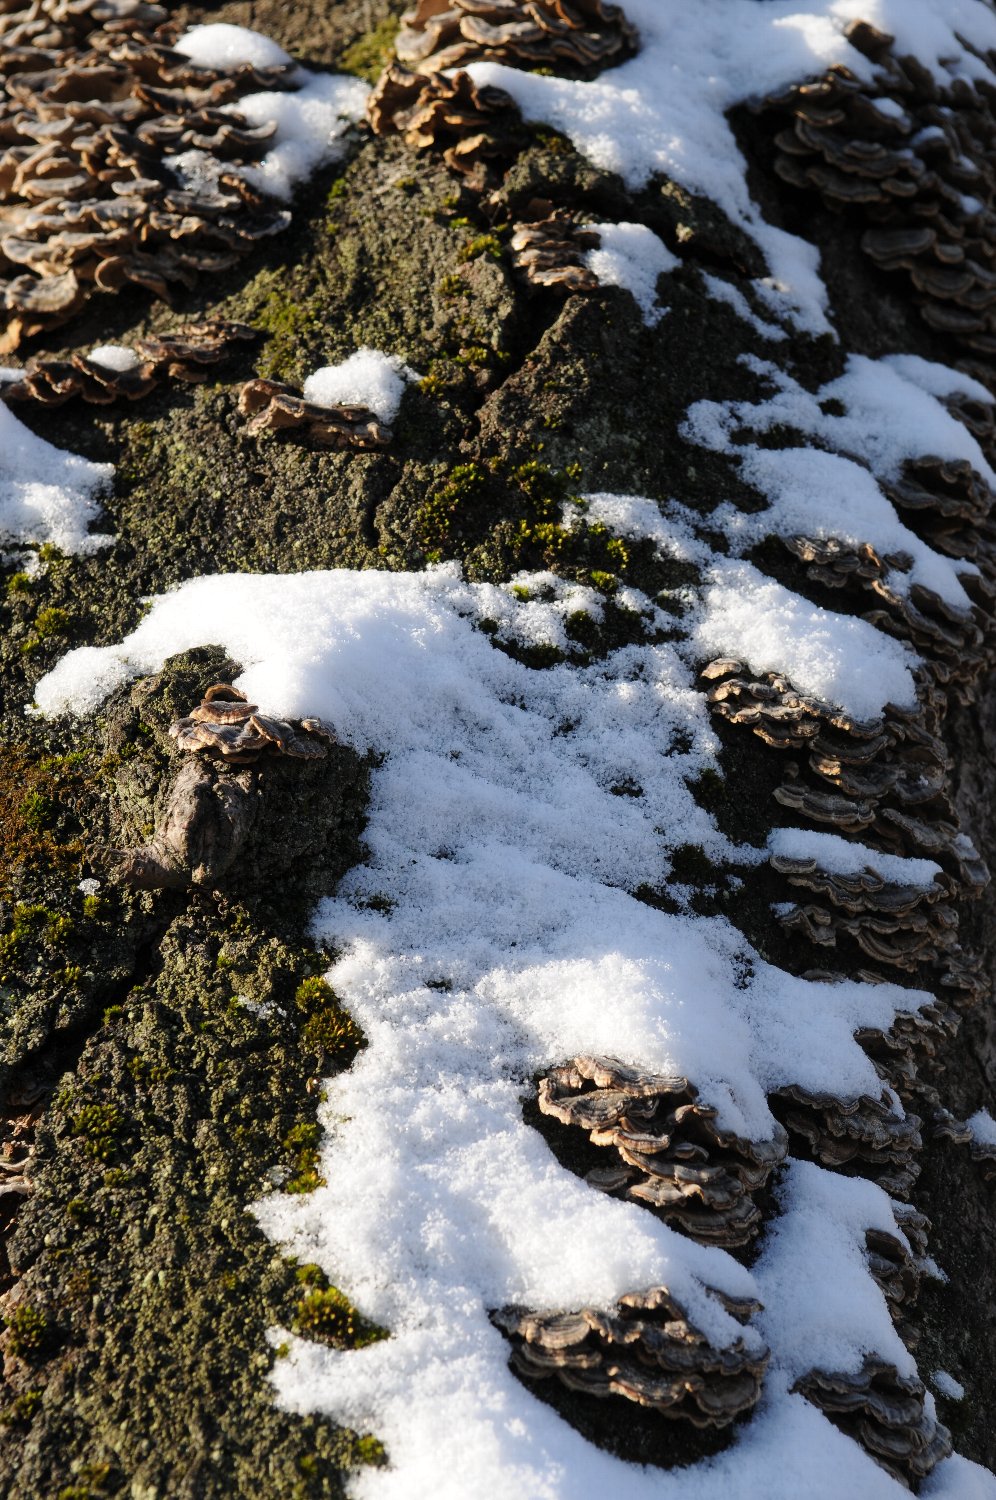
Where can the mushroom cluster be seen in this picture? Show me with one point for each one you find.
(577, 38)
(895, 924)
(477, 128)
(883, 778)
(898, 1268)
(886, 1412)
(862, 1131)
(915, 159)
(211, 810)
(549, 249)
(128, 374)
(474, 127)
(19, 1117)
(119, 159)
(272, 406)
(645, 1351)
(954, 637)
(227, 726)
(664, 1147)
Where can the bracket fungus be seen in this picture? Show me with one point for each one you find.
(645, 1351)
(227, 726)
(117, 373)
(663, 1147)
(888, 1413)
(120, 159)
(914, 159)
(577, 38)
(272, 406)
(473, 126)
(421, 99)
(549, 248)
(211, 809)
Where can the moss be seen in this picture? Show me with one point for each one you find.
(691, 865)
(101, 1128)
(28, 1331)
(19, 583)
(328, 1028)
(482, 244)
(302, 1144)
(368, 56)
(326, 1314)
(42, 805)
(92, 1483)
(22, 1408)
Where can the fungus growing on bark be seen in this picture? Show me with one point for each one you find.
(577, 38)
(472, 126)
(664, 1148)
(120, 160)
(114, 373)
(915, 159)
(272, 406)
(645, 1351)
(869, 1133)
(226, 725)
(885, 1412)
(211, 810)
(902, 925)
(549, 248)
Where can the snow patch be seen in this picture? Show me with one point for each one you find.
(631, 256)
(367, 378)
(46, 494)
(847, 857)
(114, 357)
(219, 45)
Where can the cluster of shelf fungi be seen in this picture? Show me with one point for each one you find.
(119, 159)
(97, 107)
(929, 210)
(914, 160)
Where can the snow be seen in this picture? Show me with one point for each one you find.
(947, 1385)
(367, 378)
(114, 357)
(631, 256)
(504, 866)
(311, 122)
(725, 291)
(492, 930)
(840, 856)
(839, 658)
(983, 1127)
(664, 111)
(891, 412)
(219, 45)
(46, 494)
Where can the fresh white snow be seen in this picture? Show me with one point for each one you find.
(848, 857)
(219, 45)
(631, 256)
(947, 1385)
(367, 378)
(114, 357)
(46, 494)
(311, 119)
(983, 1127)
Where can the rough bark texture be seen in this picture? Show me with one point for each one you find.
(164, 1047)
